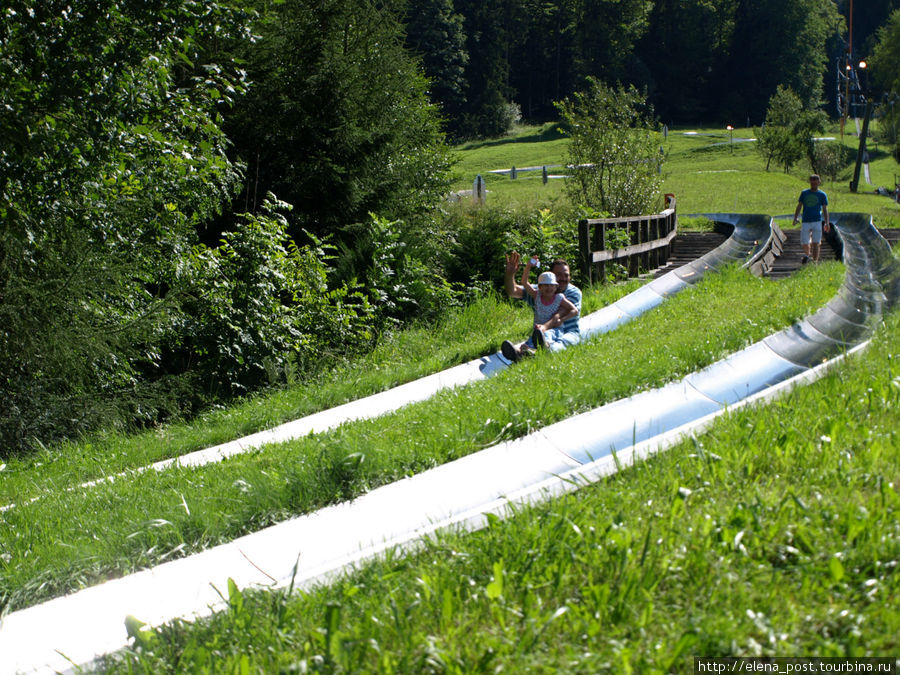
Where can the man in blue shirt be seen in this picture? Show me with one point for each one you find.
(554, 338)
(814, 204)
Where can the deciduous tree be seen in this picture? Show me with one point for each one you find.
(614, 150)
(110, 154)
(788, 134)
(885, 73)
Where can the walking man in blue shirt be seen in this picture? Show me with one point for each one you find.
(814, 204)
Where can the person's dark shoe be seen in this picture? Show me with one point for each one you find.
(537, 339)
(804, 260)
(510, 352)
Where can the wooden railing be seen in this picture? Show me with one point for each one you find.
(650, 238)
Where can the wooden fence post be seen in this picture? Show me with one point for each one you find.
(645, 237)
(634, 230)
(600, 245)
(646, 245)
(584, 250)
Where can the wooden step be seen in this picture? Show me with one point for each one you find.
(689, 246)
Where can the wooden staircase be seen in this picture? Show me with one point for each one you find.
(689, 246)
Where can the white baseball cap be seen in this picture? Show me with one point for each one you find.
(547, 278)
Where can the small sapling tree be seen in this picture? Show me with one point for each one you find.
(614, 151)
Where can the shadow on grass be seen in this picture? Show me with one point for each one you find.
(546, 133)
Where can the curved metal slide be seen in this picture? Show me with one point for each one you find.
(750, 237)
(559, 458)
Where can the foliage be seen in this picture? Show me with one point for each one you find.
(399, 280)
(482, 237)
(885, 60)
(110, 154)
(605, 33)
(885, 67)
(614, 150)
(777, 42)
(806, 127)
(435, 32)
(693, 36)
(261, 304)
(698, 60)
(829, 158)
(337, 122)
(489, 32)
(775, 140)
(890, 124)
(788, 134)
(535, 52)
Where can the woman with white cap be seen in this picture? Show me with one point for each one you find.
(551, 310)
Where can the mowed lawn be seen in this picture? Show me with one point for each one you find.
(705, 170)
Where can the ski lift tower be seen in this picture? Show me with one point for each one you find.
(853, 97)
(863, 100)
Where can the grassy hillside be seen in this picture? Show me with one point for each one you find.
(143, 525)
(775, 532)
(704, 169)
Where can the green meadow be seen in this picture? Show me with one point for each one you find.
(704, 168)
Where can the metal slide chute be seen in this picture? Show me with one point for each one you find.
(559, 458)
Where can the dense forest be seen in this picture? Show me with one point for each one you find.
(197, 198)
(698, 60)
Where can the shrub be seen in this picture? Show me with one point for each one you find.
(829, 158)
(788, 132)
(110, 154)
(396, 269)
(614, 150)
(265, 305)
(482, 236)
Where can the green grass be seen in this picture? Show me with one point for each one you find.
(526, 147)
(707, 176)
(791, 508)
(465, 334)
(775, 533)
(704, 171)
(50, 546)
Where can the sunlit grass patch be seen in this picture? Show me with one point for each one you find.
(152, 517)
(703, 168)
(464, 334)
(776, 533)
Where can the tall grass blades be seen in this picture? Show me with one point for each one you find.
(774, 533)
(52, 544)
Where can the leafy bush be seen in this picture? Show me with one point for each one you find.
(398, 273)
(264, 306)
(788, 132)
(614, 150)
(110, 154)
(829, 158)
(482, 236)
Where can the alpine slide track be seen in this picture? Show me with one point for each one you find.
(70, 632)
